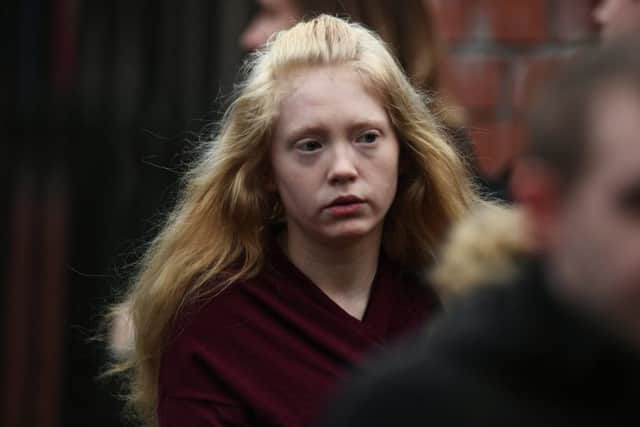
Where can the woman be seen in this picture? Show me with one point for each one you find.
(285, 259)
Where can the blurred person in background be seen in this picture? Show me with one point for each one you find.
(617, 18)
(290, 252)
(559, 344)
(407, 26)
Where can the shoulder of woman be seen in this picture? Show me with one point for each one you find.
(217, 307)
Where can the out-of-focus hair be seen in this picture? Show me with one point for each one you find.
(484, 248)
(558, 123)
(219, 231)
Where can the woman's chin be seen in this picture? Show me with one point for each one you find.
(347, 233)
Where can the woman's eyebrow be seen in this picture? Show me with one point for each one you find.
(368, 123)
(295, 132)
(306, 129)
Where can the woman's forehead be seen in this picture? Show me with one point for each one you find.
(300, 78)
(327, 91)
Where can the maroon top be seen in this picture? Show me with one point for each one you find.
(269, 351)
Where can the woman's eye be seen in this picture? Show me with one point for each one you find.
(368, 137)
(308, 145)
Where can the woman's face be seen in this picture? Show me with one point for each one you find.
(272, 16)
(334, 157)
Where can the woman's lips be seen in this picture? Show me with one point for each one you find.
(345, 205)
(348, 209)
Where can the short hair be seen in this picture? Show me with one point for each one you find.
(558, 121)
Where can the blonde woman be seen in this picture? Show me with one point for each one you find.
(285, 260)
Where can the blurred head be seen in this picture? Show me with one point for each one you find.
(580, 183)
(272, 16)
(617, 18)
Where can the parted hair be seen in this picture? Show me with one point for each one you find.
(219, 230)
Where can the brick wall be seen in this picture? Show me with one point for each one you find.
(498, 52)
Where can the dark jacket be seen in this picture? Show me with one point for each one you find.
(506, 356)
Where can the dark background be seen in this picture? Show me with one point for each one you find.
(100, 103)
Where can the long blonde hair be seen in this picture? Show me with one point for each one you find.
(219, 229)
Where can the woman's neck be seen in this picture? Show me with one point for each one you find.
(344, 271)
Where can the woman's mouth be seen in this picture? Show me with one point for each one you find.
(345, 205)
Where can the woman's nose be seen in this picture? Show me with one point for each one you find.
(343, 166)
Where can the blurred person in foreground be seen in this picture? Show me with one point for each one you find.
(559, 343)
(617, 18)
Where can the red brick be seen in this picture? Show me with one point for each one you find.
(479, 82)
(530, 74)
(452, 17)
(515, 21)
(572, 20)
(496, 145)
(475, 81)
